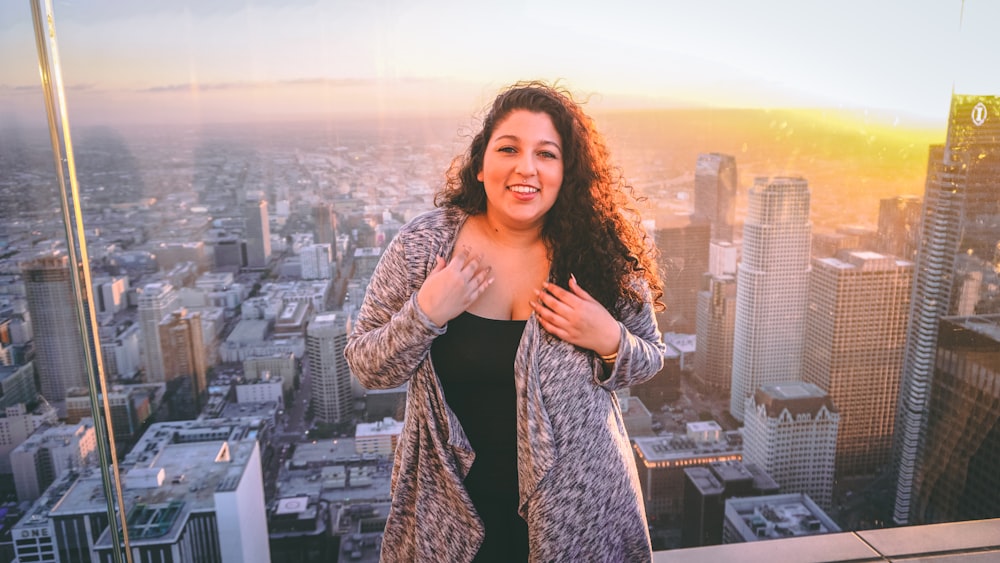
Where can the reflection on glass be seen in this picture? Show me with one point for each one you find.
(242, 176)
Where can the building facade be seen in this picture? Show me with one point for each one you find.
(855, 333)
(715, 186)
(961, 206)
(156, 301)
(772, 288)
(59, 352)
(326, 338)
(957, 477)
(185, 367)
(256, 232)
(790, 432)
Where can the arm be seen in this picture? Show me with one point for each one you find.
(391, 335)
(640, 350)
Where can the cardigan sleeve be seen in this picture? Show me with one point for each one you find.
(640, 351)
(391, 335)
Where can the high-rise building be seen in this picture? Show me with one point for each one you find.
(956, 477)
(791, 433)
(17, 384)
(713, 358)
(193, 492)
(156, 301)
(46, 454)
(961, 207)
(772, 288)
(256, 232)
(855, 333)
(316, 261)
(682, 241)
(715, 185)
(184, 367)
(59, 352)
(326, 338)
(324, 224)
(899, 225)
(17, 424)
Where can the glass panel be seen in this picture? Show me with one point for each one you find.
(821, 182)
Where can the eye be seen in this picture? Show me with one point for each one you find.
(508, 149)
(548, 154)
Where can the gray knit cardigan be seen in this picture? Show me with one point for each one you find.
(579, 491)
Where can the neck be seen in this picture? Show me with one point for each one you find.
(507, 235)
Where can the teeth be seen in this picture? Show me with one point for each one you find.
(523, 189)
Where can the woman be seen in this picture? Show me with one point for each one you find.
(514, 310)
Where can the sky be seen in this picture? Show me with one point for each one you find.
(192, 60)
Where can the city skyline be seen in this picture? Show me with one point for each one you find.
(231, 60)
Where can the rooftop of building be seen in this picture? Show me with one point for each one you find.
(385, 427)
(864, 260)
(778, 516)
(333, 471)
(683, 343)
(798, 397)
(672, 447)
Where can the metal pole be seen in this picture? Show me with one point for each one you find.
(79, 264)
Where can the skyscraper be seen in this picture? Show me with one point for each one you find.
(961, 207)
(256, 232)
(156, 301)
(316, 261)
(716, 319)
(956, 477)
(772, 287)
(791, 433)
(715, 183)
(855, 332)
(326, 338)
(59, 353)
(324, 224)
(184, 362)
(682, 241)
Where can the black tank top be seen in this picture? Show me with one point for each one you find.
(474, 361)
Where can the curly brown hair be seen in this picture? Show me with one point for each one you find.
(594, 228)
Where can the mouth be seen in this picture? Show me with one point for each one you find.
(523, 189)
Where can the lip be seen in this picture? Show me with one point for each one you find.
(524, 196)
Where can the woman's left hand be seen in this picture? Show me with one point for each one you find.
(576, 317)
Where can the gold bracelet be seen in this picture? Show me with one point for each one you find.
(609, 358)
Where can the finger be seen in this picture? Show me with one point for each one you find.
(558, 295)
(579, 291)
(459, 259)
(472, 266)
(439, 264)
(545, 312)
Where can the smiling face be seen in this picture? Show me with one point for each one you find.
(522, 169)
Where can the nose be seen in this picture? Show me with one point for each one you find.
(526, 165)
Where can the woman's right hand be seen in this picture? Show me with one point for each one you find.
(450, 288)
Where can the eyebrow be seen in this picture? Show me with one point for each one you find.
(516, 138)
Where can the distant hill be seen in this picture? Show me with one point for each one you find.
(850, 159)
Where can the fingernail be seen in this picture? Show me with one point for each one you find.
(572, 278)
(537, 292)
(545, 285)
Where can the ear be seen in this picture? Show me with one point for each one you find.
(479, 176)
